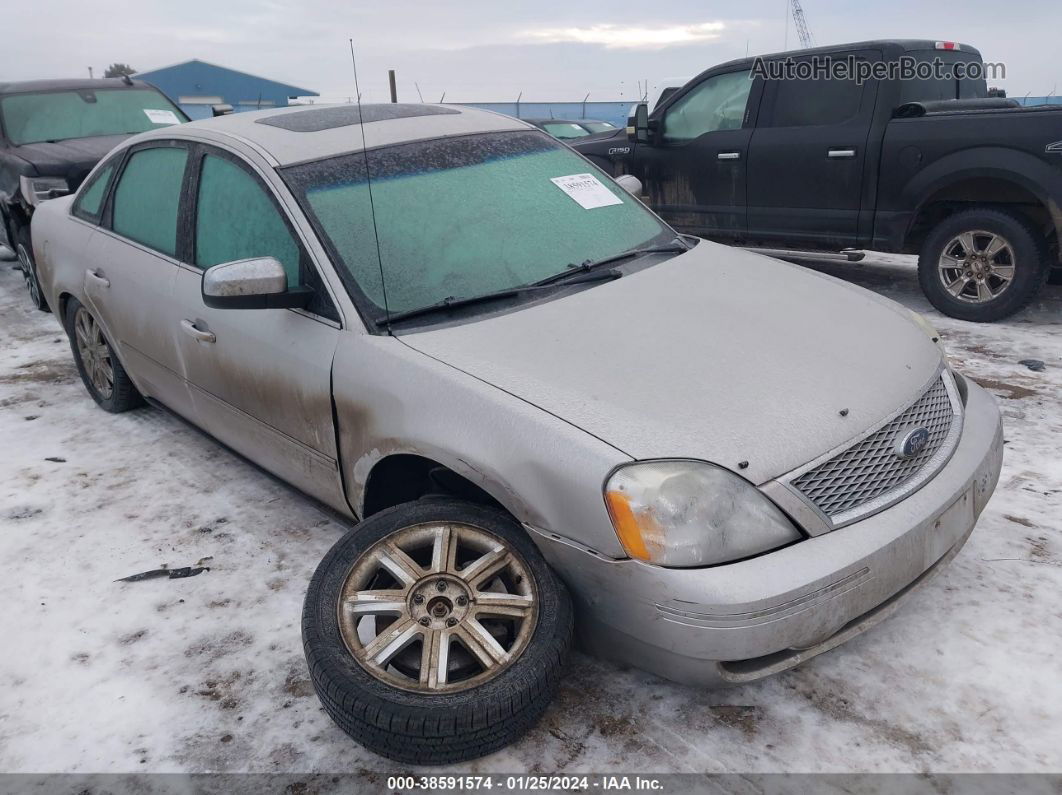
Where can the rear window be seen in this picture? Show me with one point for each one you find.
(935, 87)
(60, 115)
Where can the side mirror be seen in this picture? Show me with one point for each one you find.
(221, 110)
(258, 283)
(638, 124)
(630, 183)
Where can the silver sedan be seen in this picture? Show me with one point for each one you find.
(545, 412)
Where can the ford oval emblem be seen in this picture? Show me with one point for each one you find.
(911, 442)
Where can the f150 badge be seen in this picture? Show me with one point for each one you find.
(1055, 148)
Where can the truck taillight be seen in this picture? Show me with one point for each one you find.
(948, 45)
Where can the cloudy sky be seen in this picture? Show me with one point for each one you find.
(484, 50)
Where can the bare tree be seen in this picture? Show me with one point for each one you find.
(119, 70)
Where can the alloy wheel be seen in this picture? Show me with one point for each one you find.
(977, 266)
(94, 352)
(438, 607)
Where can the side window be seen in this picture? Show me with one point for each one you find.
(716, 104)
(805, 103)
(148, 196)
(236, 219)
(89, 202)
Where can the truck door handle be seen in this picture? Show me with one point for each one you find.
(840, 153)
(97, 277)
(728, 156)
(189, 328)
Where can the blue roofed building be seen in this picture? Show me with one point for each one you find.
(197, 86)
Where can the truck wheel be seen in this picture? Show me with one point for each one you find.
(435, 632)
(982, 265)
(24, 251)
(101, 372)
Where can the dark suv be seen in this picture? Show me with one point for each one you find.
(52, 133)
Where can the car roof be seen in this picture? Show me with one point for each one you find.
(70, 85)
(565, 121)
(312, 132)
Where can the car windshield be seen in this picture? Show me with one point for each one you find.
(57, 115)
(598, 126)
(465, 216)
(564, 130)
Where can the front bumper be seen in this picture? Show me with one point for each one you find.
(742, 621)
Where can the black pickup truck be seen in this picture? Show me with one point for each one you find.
(918, 158)
(52, 134)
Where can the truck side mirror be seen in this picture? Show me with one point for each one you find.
(638, 124)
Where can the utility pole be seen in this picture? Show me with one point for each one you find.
(90, 72)
(391, 81)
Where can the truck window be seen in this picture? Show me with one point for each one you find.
(718, 103)
(927, 89)
(806, 103)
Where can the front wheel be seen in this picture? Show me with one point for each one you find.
(982, 264)
(435, 632)
(24, 252)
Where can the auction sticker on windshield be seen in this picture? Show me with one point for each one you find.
(587, 190)
(161, 116)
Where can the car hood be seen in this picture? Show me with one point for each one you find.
(717, 354)
(73, 158)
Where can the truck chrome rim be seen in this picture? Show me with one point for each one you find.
(94, 352)
(29, 273)
(438, 608)
(977, 266)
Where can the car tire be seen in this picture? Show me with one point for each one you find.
(978, 291)
(388, 707)
(24, 252)
(97, 363)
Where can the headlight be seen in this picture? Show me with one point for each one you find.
(691, 513)
(38, 189)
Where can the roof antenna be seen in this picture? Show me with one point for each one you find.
(368, 185)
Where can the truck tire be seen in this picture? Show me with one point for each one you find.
(982, 264)
(410, 672)
(101, 372)
(24, 251)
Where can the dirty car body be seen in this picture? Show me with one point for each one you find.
(733, 463)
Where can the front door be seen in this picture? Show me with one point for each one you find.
(694, 172)
(807, 156)
(261, 379)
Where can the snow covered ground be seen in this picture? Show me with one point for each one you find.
(207, 674)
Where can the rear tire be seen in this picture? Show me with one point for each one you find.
(966, 280)
(97, 363)
(387, 700)
(24, 252)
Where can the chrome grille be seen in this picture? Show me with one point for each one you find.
(867, 472)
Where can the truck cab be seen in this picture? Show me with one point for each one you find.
(799, 150)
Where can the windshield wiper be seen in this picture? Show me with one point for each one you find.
(509, 292)
(573, 271)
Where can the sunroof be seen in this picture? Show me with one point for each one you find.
(317, 119)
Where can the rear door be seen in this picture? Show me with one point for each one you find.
(807, 158)
(694, 173)
(260, 379)
(132, 263)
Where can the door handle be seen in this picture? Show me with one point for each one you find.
(97, 277)
(728, 156)
(189, 328)
(836, 154)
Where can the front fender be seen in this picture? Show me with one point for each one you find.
(391, 399)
